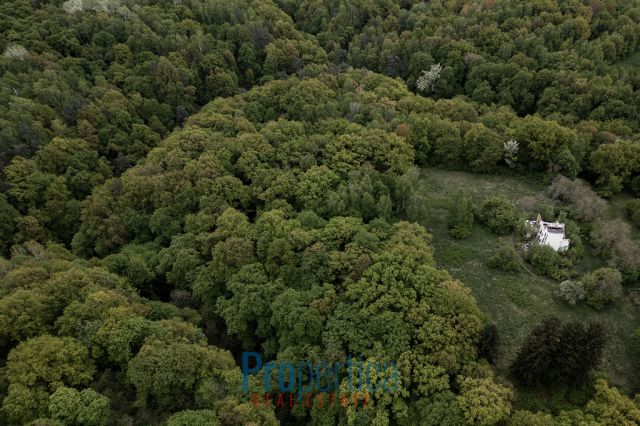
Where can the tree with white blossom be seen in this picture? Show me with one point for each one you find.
(72, 6)
(428, 78)
(105, 6)
(511, 148)
(15, 51)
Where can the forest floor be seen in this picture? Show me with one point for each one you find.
(516, 302)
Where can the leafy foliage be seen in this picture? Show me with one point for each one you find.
(86, 407)
(498, 214)
(556, 353)
(571, 291)
(602, 286)
(547, 261)
(93, 321)
(506, 259)
(194, 417)
(243, 160)
(610, 407)
(612, 241)
(483, 401)
(460, 217)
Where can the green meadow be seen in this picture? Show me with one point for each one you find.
(516, 302)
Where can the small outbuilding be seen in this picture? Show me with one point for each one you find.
(550, 234)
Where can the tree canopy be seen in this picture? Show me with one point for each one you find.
(185, 180)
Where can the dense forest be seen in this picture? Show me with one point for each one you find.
(186, 181)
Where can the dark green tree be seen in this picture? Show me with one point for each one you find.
(556, 353)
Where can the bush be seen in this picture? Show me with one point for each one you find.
(524, 230)
(498, 214)
(548, 262)
(607, 234)
(532, 206)
(505, 259)
(571, 292)
(611, 241)
(602, 286)
(584, 202)
(573, 233)
(460, 217)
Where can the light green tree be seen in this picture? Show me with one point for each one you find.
(79, 408)
(483, 401)
(50, 361)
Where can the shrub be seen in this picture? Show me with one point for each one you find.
(571, 292)
(605, 235)
(505, 259)
(460, 216)
(602, 286)
(524, 230)
(533, 206)
(584, 202)
(498, 214)
(611, 240)
(546, 261)
(573, 233)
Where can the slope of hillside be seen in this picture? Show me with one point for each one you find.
(516, 302)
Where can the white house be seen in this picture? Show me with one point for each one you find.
(550, 234)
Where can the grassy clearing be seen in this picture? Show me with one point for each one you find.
(517, 302)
